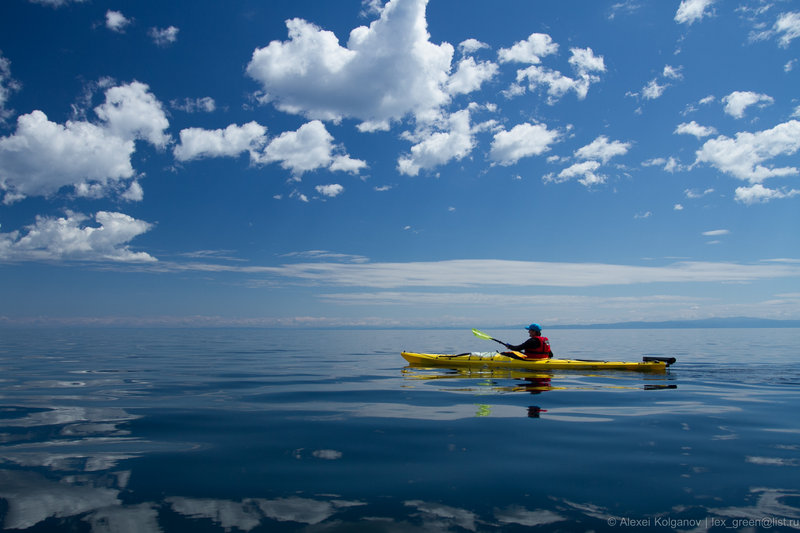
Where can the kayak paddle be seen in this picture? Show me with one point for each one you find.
(484, 336)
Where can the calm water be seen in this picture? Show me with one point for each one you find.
(260, 430)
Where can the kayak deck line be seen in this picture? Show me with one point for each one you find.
(517, 360)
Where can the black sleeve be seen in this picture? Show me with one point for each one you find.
(530, 344)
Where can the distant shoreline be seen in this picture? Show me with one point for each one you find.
(216, 323)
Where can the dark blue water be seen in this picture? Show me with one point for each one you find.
(152, 430)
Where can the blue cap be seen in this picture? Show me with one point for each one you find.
(534, 326)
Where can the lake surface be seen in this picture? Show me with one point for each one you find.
(199, 430)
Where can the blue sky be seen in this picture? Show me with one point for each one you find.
(415, 163)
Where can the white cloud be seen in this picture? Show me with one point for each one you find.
(531, 50)
(386, 72)
(318, 255)
(470, 76)
(584, 63)
(309, 148)
(68, 238)
(198, 143)
(345, 163)
(7, 86)
(164, 36)
(788, 27)
(586, 172)
(759, 194)
(331, 191)
(690, 11)
(673, 165)
(693, 128)
(55, 3)
(693, 195)
(744, 156)
(116, 21)
(473, 273)
(602, 149)
(653, 90)
(193, 105)
(672, 73)
(42, 156)
(440, 147)
(470, 46)
(738, 101)
(669, 164)
(677, 207)
(716, 233)
(523, 140)
(133, 112)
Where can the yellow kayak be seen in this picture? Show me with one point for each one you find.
(517, 360)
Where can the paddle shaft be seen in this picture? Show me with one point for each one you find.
(483, 335)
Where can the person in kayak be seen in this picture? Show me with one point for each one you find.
(536, 347)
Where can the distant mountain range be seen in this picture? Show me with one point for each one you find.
(735, 322)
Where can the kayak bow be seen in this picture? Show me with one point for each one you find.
(517, 360)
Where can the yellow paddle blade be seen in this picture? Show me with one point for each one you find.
(481, 335)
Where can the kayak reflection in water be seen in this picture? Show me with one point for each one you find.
(534, 385)
(536, 347)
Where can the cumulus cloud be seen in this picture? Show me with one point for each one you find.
(585, 172)
(738, 101)
(759, 194)
(653, 90)
(584, 63)
(309, 148)
(133, 112)
(670, 164)
(743, 157)
(470, 75)
(164, 36)
(595, 154)
(531, 50)
(523, 140)
(693, 128)
(331, 191)
(440, 147)
(95, 158)
(70, 238)
(198, 143)
(385, 72)
(470, 46)
(116, 21)
(691, 11)
(602, 149)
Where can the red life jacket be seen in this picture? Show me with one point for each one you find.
(543, 352)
